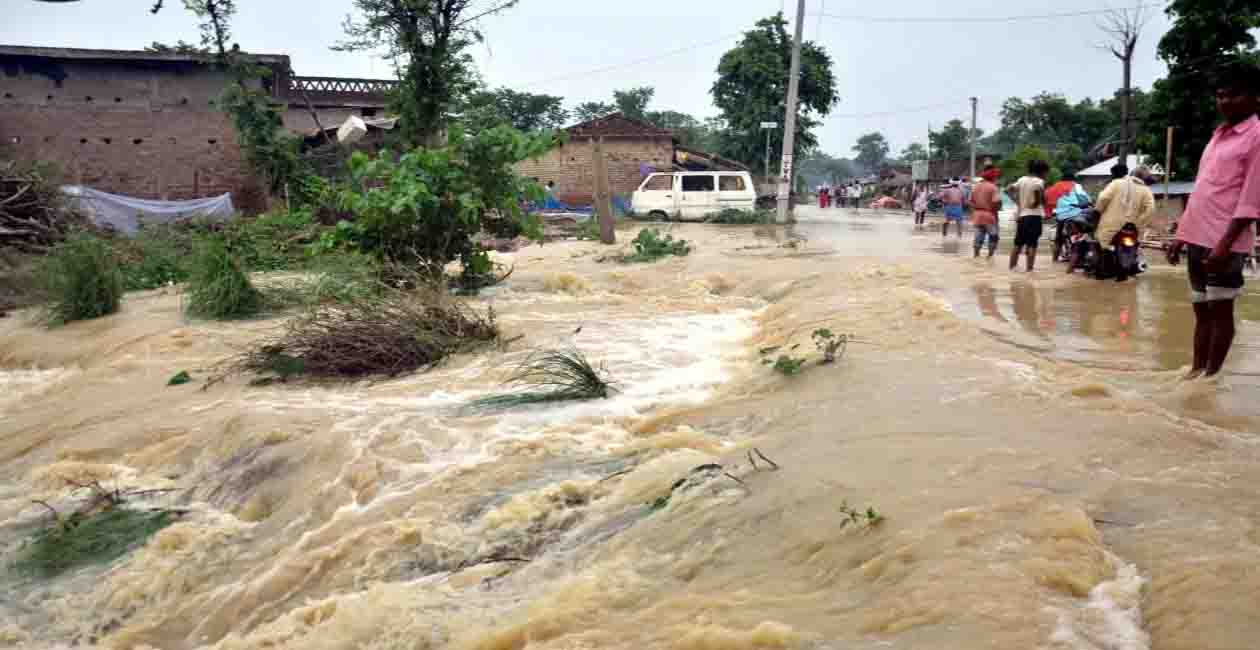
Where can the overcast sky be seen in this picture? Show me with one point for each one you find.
(569, 47)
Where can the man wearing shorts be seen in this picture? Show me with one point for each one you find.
(952, 197)
(1029, 194)
(1216, 230)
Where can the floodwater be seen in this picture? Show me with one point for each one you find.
(1047, 480)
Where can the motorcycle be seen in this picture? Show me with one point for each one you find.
(1125, 258)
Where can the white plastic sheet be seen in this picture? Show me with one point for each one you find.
(124, 213)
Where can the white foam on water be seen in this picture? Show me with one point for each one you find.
(17, 385)
(1111, 619)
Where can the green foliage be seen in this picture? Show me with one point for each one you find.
(788, 365)
(217, 286)
(830, 344)
(707, 135)
(340, 277)
(180, 378)
(650, 246)
(523, 111)
(269, 148)
(913, 152)
(342, 237)
(952, 142)
(271, 241)
(872, 151)
(752, 88)
(552, 376)
(869, 517)
(430, 41)
(735, 216)
(424, 207)
(1050, 121)
(180, 47)
(88, 538)
(80, 279)
(157, 256)
(1017, 165)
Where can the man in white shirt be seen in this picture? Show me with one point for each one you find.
(1029, 194)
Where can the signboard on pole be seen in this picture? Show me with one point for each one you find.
(769, 125)
(787, 166)
(919, 170)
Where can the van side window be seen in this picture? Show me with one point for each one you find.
(731, 183)
(697, 183)
(660, 182)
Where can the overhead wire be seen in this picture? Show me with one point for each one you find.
(977, 19)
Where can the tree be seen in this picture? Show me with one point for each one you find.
(817, 167)
(1202, 36)
(180, 47)
(1017, 164)
(872, 151)
(633, 103)
(752, 86)
(1122, 28)
(952, 142)
(913, 151)
(521, 110)
(429, 41)
(587, 111)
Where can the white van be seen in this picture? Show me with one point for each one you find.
(692, 196)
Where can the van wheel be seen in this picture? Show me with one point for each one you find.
(657, 215)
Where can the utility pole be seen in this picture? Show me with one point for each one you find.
(603, 199)
(929, 152)
(789, 129)
(974, 104)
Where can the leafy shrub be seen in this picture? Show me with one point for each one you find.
(650, 246)
(80, 279)
(735, 216)
(273, 241)
(424, 207)
(158, 255)
(788, 365)
(218, 288)
(342, 278)
(88, 538)
(344, 236)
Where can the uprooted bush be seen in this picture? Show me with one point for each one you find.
(386, 333)
(80, 280)
(736, 216)
(217, 287)
(552, 376)
(650, 246)
(101, 529)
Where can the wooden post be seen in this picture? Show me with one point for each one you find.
(603, 202)
(1168, 168)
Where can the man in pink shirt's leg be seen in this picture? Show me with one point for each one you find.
(1216, 230)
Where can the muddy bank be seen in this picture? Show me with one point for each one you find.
(1043, 485)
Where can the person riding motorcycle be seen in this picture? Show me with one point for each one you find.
(1071, 215)
(1126, 200)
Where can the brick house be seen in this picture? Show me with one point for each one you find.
(146, 124)
(630, 146)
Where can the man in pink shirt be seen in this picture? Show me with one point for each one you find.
(1216, 230)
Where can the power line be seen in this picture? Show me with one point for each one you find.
(974, 19)
(628, 64)
(899, 111)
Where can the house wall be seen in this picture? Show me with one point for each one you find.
(128, 127)
(571, 165)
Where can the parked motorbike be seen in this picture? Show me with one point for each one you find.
(1124, 260)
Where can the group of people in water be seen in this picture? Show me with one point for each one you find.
(840, 195)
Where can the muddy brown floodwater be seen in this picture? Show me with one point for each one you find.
(1047, 480)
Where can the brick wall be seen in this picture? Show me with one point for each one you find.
(571, 166)
(149, 132)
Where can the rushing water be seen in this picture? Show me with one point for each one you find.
(1046, 478)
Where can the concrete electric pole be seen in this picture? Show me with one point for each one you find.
(789, 128)
(974, 104)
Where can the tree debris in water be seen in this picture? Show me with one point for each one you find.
(32, 214)
(553, 376)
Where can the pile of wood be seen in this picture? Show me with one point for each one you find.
(32, 212)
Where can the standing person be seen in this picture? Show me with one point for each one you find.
(1029, 193)
(952, 197)
(1216, 230)
(921, 206)
(823, 196)
(986, 202)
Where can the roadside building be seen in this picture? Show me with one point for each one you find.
(1095, 177)
(632, 148)
(148, 124)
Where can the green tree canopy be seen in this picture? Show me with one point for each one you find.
(1203, 35)
(952, 142)
(913, 151)
(752, 87)
(633, 103)
(523, 111)
(872, 151)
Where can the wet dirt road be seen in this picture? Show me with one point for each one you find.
(1047, 480)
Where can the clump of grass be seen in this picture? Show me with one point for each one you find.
(217, 287)
(830, 344)
(80, 280)
(553, 376)
(650, 245)
(788, 365)
(388, 333)
(745, 217)
(86, 539)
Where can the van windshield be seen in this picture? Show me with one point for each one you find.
(697, 183)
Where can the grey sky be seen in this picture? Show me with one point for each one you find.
(882, 69)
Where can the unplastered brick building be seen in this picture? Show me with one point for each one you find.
(147, 124)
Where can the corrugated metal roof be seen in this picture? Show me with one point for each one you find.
(1103, 169)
